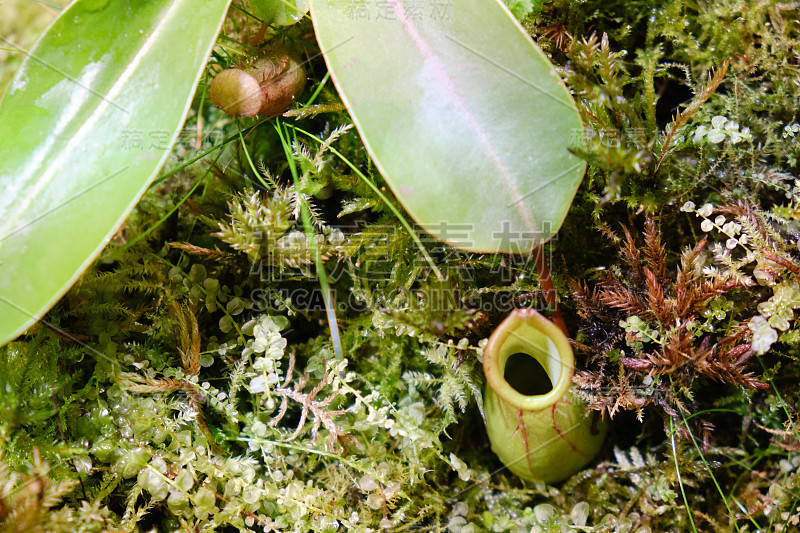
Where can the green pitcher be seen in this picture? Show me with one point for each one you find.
(536, 426)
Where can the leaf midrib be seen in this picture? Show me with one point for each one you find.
(447, 83)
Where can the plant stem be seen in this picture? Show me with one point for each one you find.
(327, 294)
(547, 288)
(678, 472)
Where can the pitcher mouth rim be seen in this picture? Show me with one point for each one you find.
(494, 374)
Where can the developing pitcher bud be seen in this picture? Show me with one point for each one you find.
(236, 92)
(268, 86)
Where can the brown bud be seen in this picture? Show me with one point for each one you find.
(236, 92)
(268, 86)
(282, 77)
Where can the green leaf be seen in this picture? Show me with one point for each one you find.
(464, 116)
(85, 125)
(280, 12)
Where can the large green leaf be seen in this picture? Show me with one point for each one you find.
(85, 125)
(279, 12)
(464, 116)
